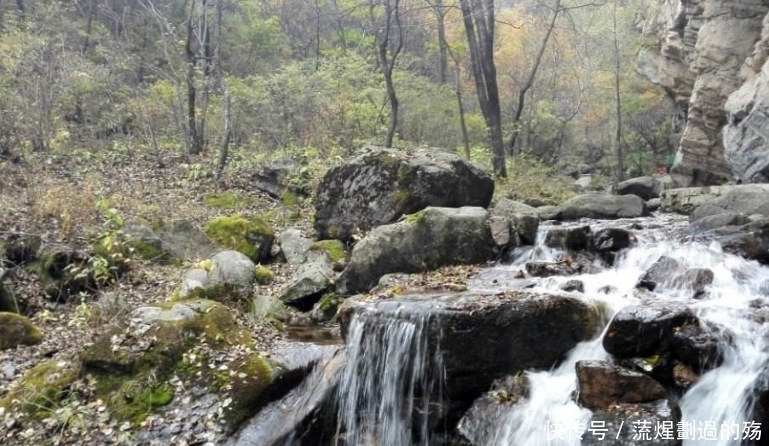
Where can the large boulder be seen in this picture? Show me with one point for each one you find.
(307, 284)
(602, 384)
(634, 424)
(426, 240)
(483, 337)
(750, 241)
(644, 330)
(745, 199)
(523, 219)
(380, 185)
(294, 246)
(178, 241)
(644, 187)
(601, 206)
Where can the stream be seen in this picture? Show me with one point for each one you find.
(388, 361)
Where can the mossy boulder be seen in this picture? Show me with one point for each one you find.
(133, 362)
(169, 243)
(325, 309)
(427, 240)
(250, 235)
(380, 185)
(16, 330)
(333, 249)
(227, 277)
(42, 388)
(63, 271)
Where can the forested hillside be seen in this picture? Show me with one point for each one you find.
(234, 79)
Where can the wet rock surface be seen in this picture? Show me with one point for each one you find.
(521, 330)
(603, 384)
(639, 330)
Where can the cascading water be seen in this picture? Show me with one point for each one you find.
(390, 382)
(392, 378)
(722, 398)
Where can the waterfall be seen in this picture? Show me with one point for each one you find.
(723, 397)
(392, 382)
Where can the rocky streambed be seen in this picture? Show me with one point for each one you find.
(627, 331)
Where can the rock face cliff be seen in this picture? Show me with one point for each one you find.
(706, 51)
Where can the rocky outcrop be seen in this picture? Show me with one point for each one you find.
(379, 186)
(426, 240)
(601, 206)
(645, 187)
(747, 109)
(703, 47)
(747, 199)
(520, 330)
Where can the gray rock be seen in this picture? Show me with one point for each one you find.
(234, 271)
(654, 204)
(427, 240)
(547, 212)
(481, 422)
(179, 311)
(194, 279)
(268, 306)
(603, 384)
(601, 206)
(524, 219)
(379, 186)
(180, 240)
(273, 179)
(695, 279)
(569, 239)
(502, 231)
(745, 199)
(307, 284)
(750, 241)
(700, 346)
(745, 138)
(294, 246)
(573, 285)
(644, 187)
(661, 271)
(711, 222)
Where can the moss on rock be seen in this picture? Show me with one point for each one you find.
(334, 248)
(134, 382)
(41, 389)
(17, 330)
(263, 275)
(248, 383)
(251, 236)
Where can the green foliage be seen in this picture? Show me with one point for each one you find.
(528, 179)
(42, 389)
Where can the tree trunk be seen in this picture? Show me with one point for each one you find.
(193, 146)
(387, 57)
(618, 103)
(461, 108)
(89, 26)
(530, 80)
(478, 16)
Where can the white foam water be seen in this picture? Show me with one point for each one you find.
(389, 383)
(722, 398)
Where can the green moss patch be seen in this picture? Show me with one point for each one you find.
(42, 388)
(226, 200)
(263, 275)
(17, 330)
(334, 248)
(416, 217)
(133, 382)
(251, 236)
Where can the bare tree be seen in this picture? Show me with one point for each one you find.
(478, 17)
(618, 102)
(440, 10)
(389, 43)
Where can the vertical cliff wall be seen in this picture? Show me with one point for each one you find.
(702, 51)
